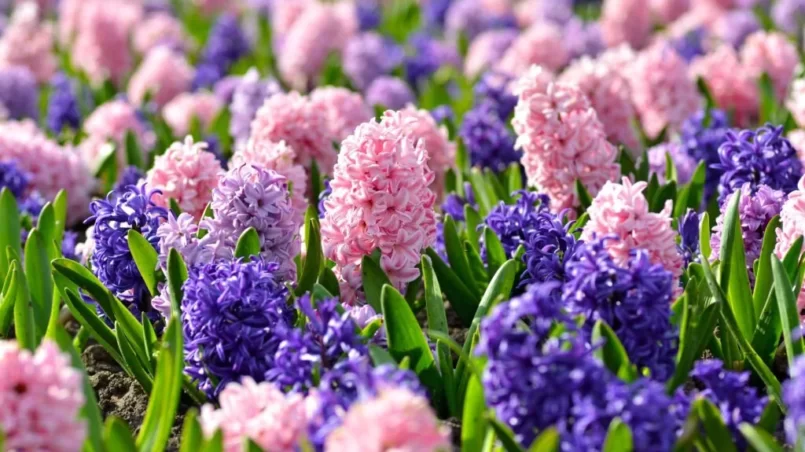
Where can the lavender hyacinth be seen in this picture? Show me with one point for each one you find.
(232, 316)
(62, 108)
(470, 18)
(738, 24)
(248, 97)
(689, 236)
(181, 234)
(685, 165)
(757, 157)
(583, 38)
(368, 56)
(789, 15)
(132, 175)
(18, 94)
(426, 56)
(226, 44)
(389, 92)
(13, 179)
(794, 398)
(250, 196)
(494, 89)
(488, 140)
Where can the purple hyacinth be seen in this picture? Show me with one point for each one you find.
(489, 142)
(731, 393)
(132, 175)
(755, 211)
(68, 243)
(470, 18)
(685, 164)
(794, 398)
(232, 316)
(757, 157)
(226, 44)
(125, 209)
(494, 88)
(426, 56)
(368, 56)
(19, 96)
(248, 197)
(389, 92)
(12, 178)
(435, 12)
(789, 15)
(453, 204)
(323, 197)
(634, 299)
(62, 108)
(326, 338)
(702, 144)
(737, 25)
(442, 114)
(368, 13)
(691, 44)
(689, 236)
(583, 38)
(249, 95)
(513, 223)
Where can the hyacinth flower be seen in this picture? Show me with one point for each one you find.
(248, 96)
(702, 140)
(794, 397)
(226, 45)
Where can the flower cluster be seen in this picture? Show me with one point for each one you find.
(701, 141)
(226, 45)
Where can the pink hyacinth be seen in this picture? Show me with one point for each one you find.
(42, 396)
(285, 14)
(792, 227)
(163, 73)
(562, 140)
(665, 11)
(622, 210)
(396, 420)
(626, 21)
(187, 173)
(796, 101)
(772, 53)
(29, 43)
(610, 96)
(663, 93)
(210, 7)
(345, 110)
(278, 157)
(159, 28)
(180, 111)
(419, 125)
(72, 13)
(618, 59)
(380, 199)
(101, 47)
(261, 412)
(294, 119)
(110, 123)
(540, 44)
(797, 139)
(486, 49)
(52, 167)
(732, 88)
(317, 33)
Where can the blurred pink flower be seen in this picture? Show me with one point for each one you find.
(610, 96)
(29, 43)
(540, 44)
(187, 173)
(797, 139)
(285, 14)
(796, 101)
(792, 227)
(380, 199)
(180, 111)
(396, 420)
(772, 53)
(562, 140)
(663, 93)
(487, 48)
(210, 7)
(293, 118)
(110, 122)
(626, 21)
(261, 412)
(281, 158)
(51, 167)
(157, 29)
(622, 210)
(164, 73)
(345, 110)
(732, 88)
(42, 396)
(665, 11)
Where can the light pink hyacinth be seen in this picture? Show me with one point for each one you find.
(622, 210)
(792, 227)
(72, 13)
(626, 21)
(380, 199)
(187, 173)
(101, 47)
(772, 53)
(797, 139)
(665, 11)
(732, 88)
(541, 44)
(345, 110)
(293, 118)
(111, 122)
(51, 167)
(796, 101)
(157, 29)
(562, 139)
(29, 43)
(164, 73)
(180, 111)
(41, 395)
(486, 48)
(610, 96)
(210, 7)
(281, 158)
(663, 93)
(261, 412)
(396, 420)
(285, 14)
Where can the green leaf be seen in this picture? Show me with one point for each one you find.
(547, 441)
(709, 103)
(117, 436)
(405, 339)
(248, 244)
(89, 320)
(495, 254)
(381, 356)
(46, 224)
(690, 196)
(789, 314)
(24, 324)
(40, 282)
(329, 281)
(134, 156)
(514, 178)
(83, 278)
(457, 257)
(374, 278)
(670, 169)
(174, 207)
(698, 323)
(768, 99)
(8, 300)
(763, 275)
(250, 446)
(484, 195)
(704, 236)
(161, 411)
(437, 321)
(716, 431)
(132, 363)
(9, 229)
(107, 170)
(585, 199)
(619, 437)
(146, 258)
(314, 261)
(760, 440)
(611, 352)
(60, 215)
(216, 443)
(149, 339)
(177, 275)
(192, 436)
(474, 422)
(734, 278)
(477, 267)
(505, 436)
(473, 221)
(462, 300)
